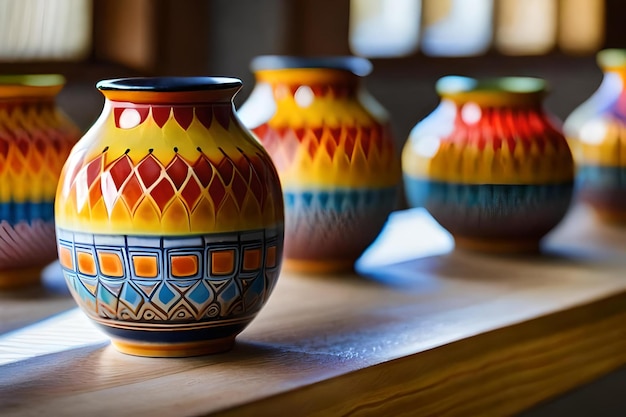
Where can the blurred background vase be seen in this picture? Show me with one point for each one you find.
(596, 131)
(332, 146)
(489, 164)
(35, 139)
(170, 217)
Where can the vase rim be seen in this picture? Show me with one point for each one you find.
(456, 84)
(357, 65)
(32, 80)
(612, 58)
(169, 84)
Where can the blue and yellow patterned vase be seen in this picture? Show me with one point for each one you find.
(596, 131)
(35, 140)
(169, 217)
(332, 146)
(489, 164)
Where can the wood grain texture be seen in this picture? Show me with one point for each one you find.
(429, 333)
(24, 306)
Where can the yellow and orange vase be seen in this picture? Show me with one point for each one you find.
(170, 217)
(489, 164)
(35, 139)
(596, 131)
(331, 143)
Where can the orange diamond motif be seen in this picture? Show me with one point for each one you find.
(93, 170)
(177, 170)
(171, 193)
(226, 170)
(203, 170)
(4, 147)
(132, 192)
(191, 193)
(120, 170)
(162, 193)
(217, 191)
(239, 189)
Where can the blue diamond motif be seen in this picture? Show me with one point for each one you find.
(131, 297)
(307, 197)
(166, 295)
(106, 297)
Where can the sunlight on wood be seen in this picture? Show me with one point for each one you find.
(442, 330)
(66, 331)
(394, 244)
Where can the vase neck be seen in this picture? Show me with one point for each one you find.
(502, 101)
(29, 93)
(318, 79)
(613, 64)
(30, 88)
(193, 98)
(170, 90)
(505, 92)
(614, 74)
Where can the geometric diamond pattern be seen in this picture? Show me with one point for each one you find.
(35, 140)
(497, 145)
(331, 152)
(235, 287)
(334, 225)
(167, 189)
(335, 140)
(362, 151)
(165, 297)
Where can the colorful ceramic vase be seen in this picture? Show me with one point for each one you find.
(596, 131)
(331, 143)
(170, 217)
(489, 164)
(35, 139)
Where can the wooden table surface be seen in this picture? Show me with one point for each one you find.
(422, 331)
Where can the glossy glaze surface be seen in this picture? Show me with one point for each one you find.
(489, 164)
(35, 139)
(332, 146)
(170, 218)
(596, 132)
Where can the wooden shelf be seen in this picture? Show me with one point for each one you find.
(423, 331)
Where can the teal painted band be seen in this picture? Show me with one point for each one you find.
(601, 177)
(420, 191)
(15, 213)
(492, 210)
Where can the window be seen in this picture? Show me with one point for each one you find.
(393, 28)
(383, 28)
(457, 27)
(45, 30)
(526, 27)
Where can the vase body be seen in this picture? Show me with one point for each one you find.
(170, 217)
(35, 139)
(596, 133)
(331, 143)
(489, 164)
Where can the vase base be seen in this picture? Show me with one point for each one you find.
(317, 267)
(174, 350)
(20, 278)
(497, 246)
